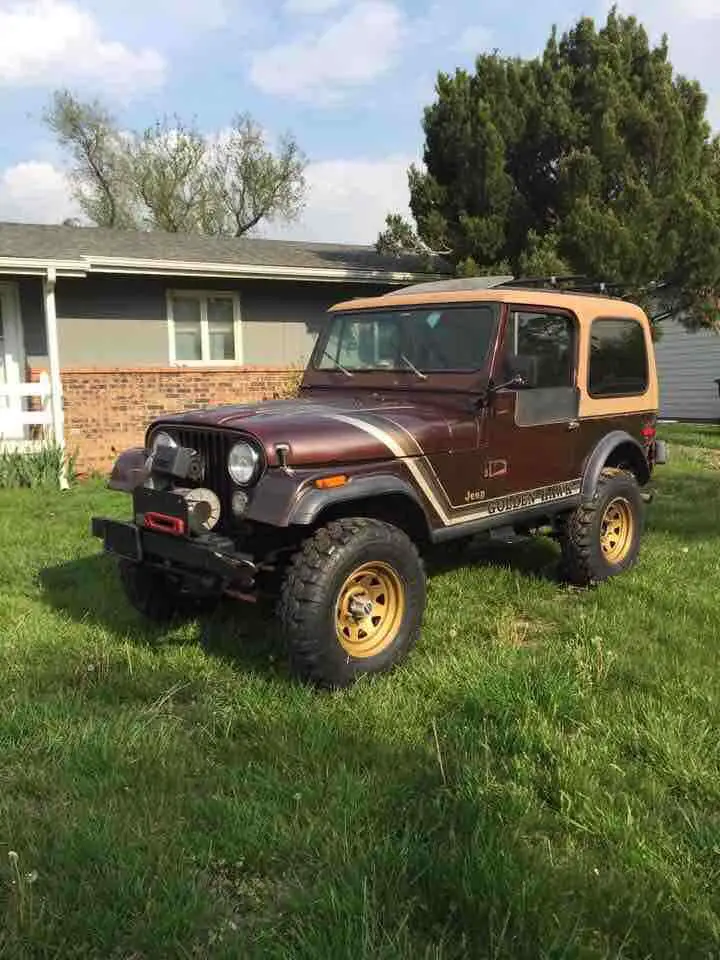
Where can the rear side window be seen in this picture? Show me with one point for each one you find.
(618, 359)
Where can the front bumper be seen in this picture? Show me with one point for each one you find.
(210, 555)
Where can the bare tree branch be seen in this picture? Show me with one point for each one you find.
(172, 177)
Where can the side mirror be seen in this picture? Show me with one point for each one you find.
(521, 372)
(518, 382)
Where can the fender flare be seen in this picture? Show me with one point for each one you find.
(599, 457)
(313, 501)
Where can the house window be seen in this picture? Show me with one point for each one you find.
(618, 359)
(204, 327)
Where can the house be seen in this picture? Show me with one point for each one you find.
(688, 368)
(121, 325)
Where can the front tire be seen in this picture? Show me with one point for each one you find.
(602, 539)
(352, 602)
(157, 596)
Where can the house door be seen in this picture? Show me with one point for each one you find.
(11, 363)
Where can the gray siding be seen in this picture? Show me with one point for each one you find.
(281, 321)
(688, 365)
(122, 320)
(111, 321)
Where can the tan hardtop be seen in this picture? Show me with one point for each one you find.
(584, 306)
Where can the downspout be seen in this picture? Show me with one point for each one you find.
(56, 391)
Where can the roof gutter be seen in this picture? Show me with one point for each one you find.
(181, 268)
(40, 268)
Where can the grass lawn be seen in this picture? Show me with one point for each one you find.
(542, 779)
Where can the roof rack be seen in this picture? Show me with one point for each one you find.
(572, 283)
(569, 284)
(447, 286)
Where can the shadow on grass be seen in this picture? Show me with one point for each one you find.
(460, 857)
(533, 557)
(247, 636)
(330, 835)
(244, 634)
(88, 590)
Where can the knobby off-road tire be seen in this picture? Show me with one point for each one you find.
(157, 597)
(352, 602)
(602, 539)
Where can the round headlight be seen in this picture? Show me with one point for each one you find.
(163, 439)
(242, 463)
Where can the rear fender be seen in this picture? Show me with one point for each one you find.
(616, 446)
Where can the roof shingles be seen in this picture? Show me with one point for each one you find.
(48, 242)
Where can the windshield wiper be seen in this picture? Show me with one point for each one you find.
(419, 373)
(338, 365)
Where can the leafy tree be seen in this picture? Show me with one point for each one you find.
(172, 177)
(594, 158)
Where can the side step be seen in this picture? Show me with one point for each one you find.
(506, 535)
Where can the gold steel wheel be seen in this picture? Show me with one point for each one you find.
(369, 610)
(616, 530)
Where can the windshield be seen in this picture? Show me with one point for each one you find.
(416, 340)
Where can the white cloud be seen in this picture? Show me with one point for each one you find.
(52, 42)
(318, 66)
(693, 29)
(36, 192)
(310, 6)
(474, 39)
(348, 200)
(199, 14)
(168, 20)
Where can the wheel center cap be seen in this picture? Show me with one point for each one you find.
(361, 607)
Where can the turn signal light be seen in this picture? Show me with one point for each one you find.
(327, 483)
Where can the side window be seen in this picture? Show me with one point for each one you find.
(618, 359)
(545, 341)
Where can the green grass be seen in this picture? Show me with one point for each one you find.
(542, 779)
(691, 435)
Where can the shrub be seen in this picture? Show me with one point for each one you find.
(291, 386)
(39, 468)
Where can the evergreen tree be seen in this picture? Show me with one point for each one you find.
(594, 158)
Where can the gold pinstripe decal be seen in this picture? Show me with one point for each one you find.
(498, 506)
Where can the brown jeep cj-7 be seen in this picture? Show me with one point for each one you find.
(439, 411)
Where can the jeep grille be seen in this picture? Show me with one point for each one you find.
(214, 448)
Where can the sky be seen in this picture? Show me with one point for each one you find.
(348, 78)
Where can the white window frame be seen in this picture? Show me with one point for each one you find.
(203, 296)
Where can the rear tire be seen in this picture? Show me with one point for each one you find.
(157, 596)
(601, 539)
(352, 602)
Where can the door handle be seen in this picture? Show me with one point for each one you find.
(574, 425)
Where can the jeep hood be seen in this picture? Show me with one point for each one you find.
(320, 431)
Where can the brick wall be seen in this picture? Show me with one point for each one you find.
(107, 409)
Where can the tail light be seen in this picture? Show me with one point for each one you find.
(649, 433)
(649, 441)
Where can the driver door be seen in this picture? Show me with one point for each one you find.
(531, 436)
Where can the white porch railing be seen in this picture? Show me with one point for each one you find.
(14, 418)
